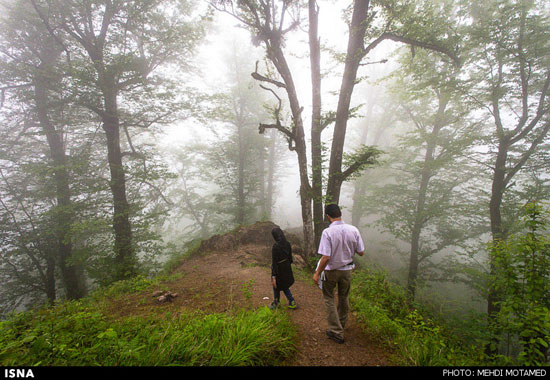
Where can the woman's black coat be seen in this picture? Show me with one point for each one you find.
(281, 258)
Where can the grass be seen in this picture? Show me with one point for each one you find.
(83, 334)
(416, 337)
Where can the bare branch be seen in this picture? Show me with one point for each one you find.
(261, 78)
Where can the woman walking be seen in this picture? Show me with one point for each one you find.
(281, 270)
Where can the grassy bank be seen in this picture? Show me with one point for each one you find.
(416, 336)
(84, 334)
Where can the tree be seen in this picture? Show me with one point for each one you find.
(29, 257)
(230, 181)
(416, 24)
(510, 79)
(266, 21)
(116, 47)
(522, 264)
(32, 67)
(269, 22)
(382, 113)
(275, 162)
(239, 153)
(426, 202)
(193, 194)
(317, 121)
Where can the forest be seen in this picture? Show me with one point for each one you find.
(130, 130)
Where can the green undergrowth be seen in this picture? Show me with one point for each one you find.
(416, 337)
(82, 333)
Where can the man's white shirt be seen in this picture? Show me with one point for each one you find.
(340, 241)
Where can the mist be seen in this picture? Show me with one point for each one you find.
(131, 131)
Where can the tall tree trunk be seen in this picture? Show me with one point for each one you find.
(354, 55)
(201, 221)
(356, 51)
(357, 209)
(124, 250)
(419, 213)
(316, 129)
(277, 57)
(50, 278)
(418, 224)
(240, 172)
(261, 184)
(498, 234)
(270, 178)
(71, 274)
(360, 184)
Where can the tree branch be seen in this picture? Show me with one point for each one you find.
(424, 45)
(366, 157)
(525, 156)
(261, 78)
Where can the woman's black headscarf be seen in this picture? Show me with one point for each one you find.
(280, 239)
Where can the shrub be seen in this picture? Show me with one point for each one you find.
(523, 283)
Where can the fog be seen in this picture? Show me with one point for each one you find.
(131, 131)
(225, 33)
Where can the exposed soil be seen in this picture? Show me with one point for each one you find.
(239, 277)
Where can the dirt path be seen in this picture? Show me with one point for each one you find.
(220, 282)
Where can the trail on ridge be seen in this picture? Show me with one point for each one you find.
(236, 276)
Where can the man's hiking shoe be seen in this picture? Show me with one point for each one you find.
(292, 305)
(335, 337)
(274, 305)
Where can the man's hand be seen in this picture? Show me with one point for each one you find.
(322, 264)
(274, 282)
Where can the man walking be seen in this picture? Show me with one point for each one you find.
(339, 242)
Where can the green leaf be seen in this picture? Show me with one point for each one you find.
(28, 339)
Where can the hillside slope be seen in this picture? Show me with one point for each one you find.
(232, 271)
